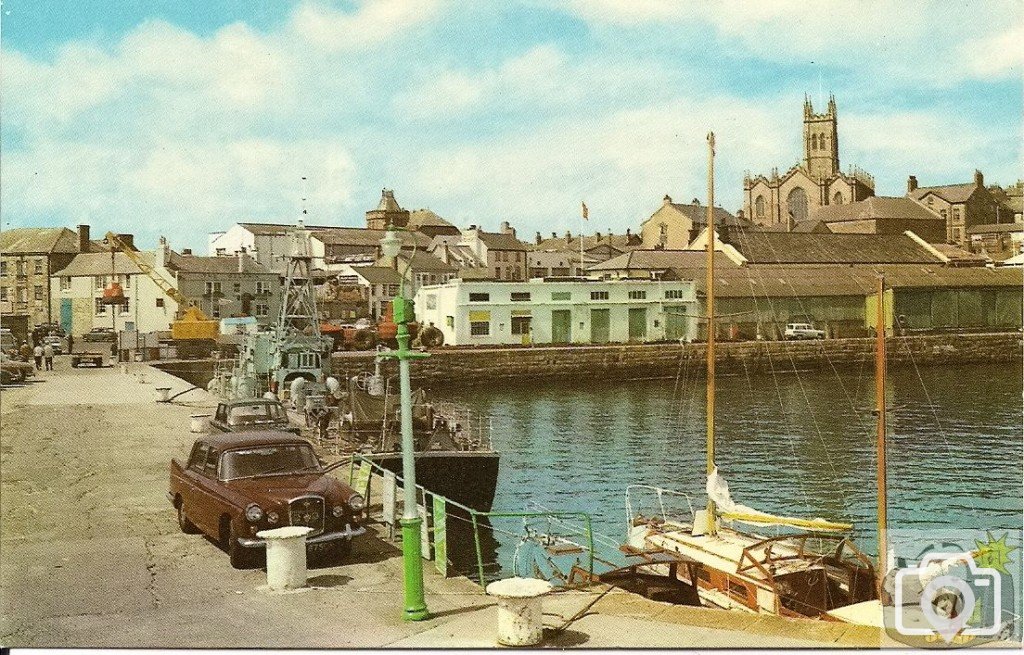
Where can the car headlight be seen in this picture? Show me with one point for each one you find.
(338, 511)
(272, 517)
(254, 513)
(356, 502)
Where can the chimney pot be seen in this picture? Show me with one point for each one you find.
(667, 199)
(911, 183)
(696, 201)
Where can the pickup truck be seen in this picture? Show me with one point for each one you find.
(93, 347)
(236, 484)
(803, 331)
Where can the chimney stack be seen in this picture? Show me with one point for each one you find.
(128, 240)
(979, 179)
(537, 239)
(554, 235)
(241, 261)
(568, 236)
(911, 183)
(187, 252)
(667, 200)
(84, 245)
(161, 252)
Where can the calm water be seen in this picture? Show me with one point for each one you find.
(798, 444)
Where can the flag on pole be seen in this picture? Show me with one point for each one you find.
(584, 210)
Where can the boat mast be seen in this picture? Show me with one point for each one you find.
(880, 408)
(712, 523)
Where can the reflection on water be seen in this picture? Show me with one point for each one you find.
(800, 444)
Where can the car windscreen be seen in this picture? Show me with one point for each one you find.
(255, 413)
(267, 460)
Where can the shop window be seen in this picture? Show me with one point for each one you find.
(479, 328)
(521, 325)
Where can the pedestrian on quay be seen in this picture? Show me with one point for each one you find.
(37, 352)
(48, 356)
(26, 351)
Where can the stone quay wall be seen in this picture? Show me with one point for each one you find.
(466, 366)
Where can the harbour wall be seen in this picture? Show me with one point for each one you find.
(451, 367)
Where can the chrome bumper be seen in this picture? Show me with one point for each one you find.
(347, 533)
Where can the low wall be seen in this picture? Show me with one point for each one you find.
(447, 367)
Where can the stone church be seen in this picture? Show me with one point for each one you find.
(782, 201)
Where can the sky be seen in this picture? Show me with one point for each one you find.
(179, 118)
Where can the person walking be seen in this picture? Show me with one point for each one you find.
(48, 356)
(25, 351)
(37, 352)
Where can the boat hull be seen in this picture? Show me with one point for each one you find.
(468, 478)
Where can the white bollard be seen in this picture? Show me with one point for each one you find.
(286, 556)
(520, 610)
(163, 394)
(198, 423)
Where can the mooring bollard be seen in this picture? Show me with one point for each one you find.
(520, 610)
(163, 394)
(198, 423)
(286, 556)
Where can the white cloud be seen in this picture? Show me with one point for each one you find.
(918, 41)
(996, 55)
(374, 22)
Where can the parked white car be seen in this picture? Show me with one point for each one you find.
(803, 331)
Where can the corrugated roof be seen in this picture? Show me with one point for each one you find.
(780, 281)
(875, 207)
(98, 263)
(802, 248)
(959, 256)
(948, 192)
(38, 240)
(659, 260)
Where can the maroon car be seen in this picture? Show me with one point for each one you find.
(236, 484)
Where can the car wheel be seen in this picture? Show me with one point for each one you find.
(240, 556)
(187, 526)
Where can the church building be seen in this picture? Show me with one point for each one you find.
(785, 200)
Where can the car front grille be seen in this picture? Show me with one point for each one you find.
(307, 511)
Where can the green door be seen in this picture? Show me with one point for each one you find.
(600, 325)
(637, 323)
(561, 326)
(675, 323)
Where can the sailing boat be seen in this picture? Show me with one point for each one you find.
(804, 574)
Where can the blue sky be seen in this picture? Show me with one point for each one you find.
(180, 118)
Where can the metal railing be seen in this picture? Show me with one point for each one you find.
(475, 517)
(661, 493)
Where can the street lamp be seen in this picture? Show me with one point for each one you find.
(403, 313)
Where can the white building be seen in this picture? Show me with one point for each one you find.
(581, 311)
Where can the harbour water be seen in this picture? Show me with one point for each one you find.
(799, 444)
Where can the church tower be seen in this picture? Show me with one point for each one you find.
(821, 140)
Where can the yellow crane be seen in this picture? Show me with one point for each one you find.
(191, 324)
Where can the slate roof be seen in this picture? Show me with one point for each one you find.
(197, 265)
(875, 207)
(618, 241)
(32, 240)
(501, 241)
(337, 235)
(98, 263)
(948, 192)
(995, 228)
(378, 274)
(805, 248)
(423, 262)
(426, 218)
(699, 213)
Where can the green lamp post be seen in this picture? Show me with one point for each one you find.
(403, 313)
